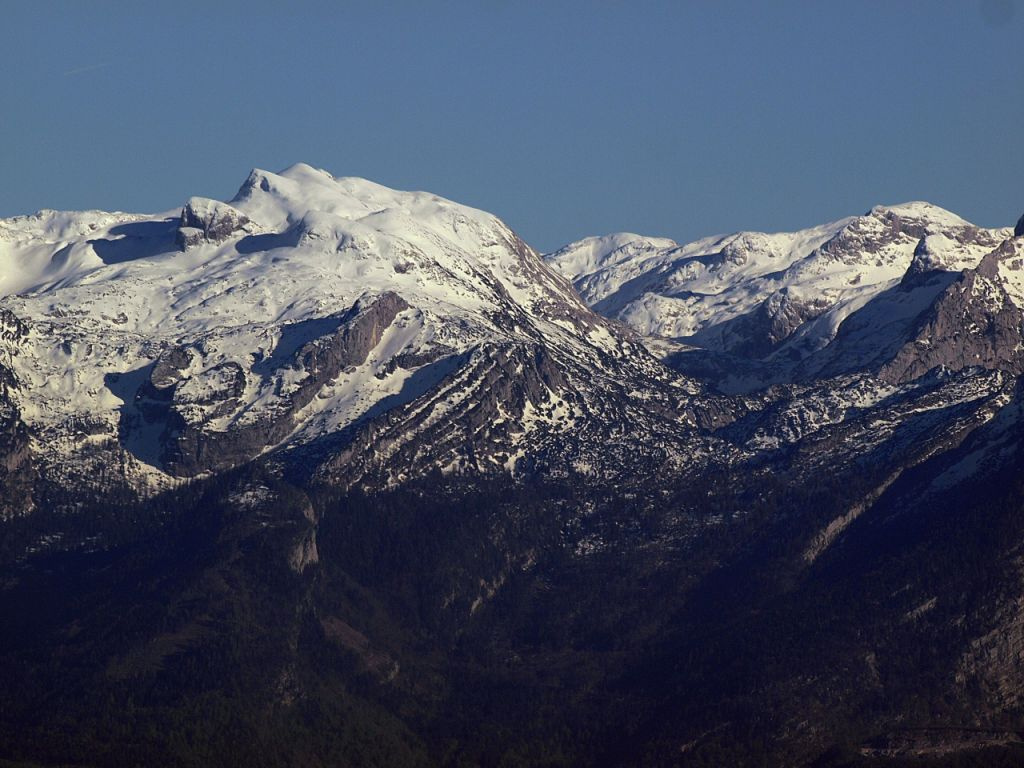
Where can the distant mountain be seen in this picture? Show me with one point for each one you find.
(333, 474)
(752, 309)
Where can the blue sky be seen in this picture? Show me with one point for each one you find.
(680, 119)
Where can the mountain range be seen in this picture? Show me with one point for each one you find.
(333, 474)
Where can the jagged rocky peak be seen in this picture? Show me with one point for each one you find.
(884, 234)
(1018, 231)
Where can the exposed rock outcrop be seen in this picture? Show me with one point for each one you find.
(169, 369)
(17, 470)
(192, 444)
(974, 322)
(205, 220)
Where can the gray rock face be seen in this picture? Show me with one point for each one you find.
(784, 314)
(505, 380)
(973, 323)
(191, 444)
(304, 552)
(168, 369)
(1018, 231)
(360, 331)
(204, 220)
(17, 469)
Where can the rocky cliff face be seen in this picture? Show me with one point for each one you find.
(17, 468)
(974, 322)
(196, 406)
(210, 221)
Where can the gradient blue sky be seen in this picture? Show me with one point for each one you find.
(565, 118)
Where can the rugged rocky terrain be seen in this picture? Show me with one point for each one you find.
(335, 474)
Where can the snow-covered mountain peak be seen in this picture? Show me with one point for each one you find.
(418, 235)
(920, 210)
(277, 201)
(196, 339)
(334, 234)
(592, 253)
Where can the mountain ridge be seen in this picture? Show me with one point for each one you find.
(774, 302)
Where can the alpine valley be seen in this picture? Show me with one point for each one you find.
(336, 475)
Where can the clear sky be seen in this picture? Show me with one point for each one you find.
(566, 119)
